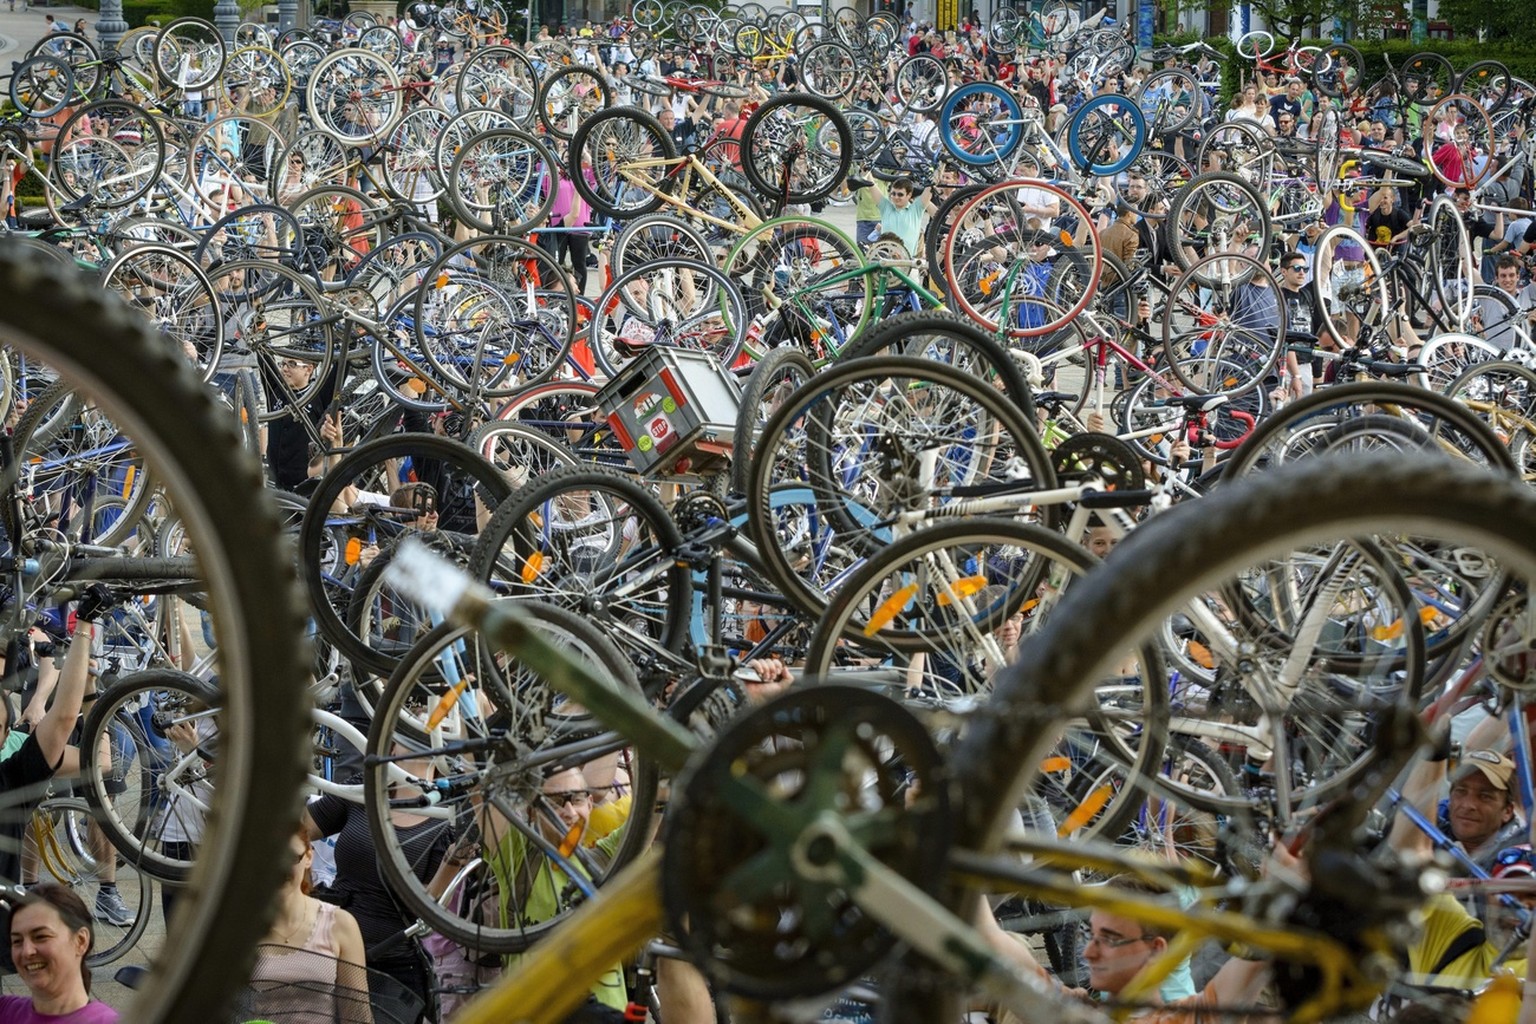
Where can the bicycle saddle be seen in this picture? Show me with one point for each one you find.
(1199, 403)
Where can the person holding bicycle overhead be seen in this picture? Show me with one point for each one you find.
(22, 774)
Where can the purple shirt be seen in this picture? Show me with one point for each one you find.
(18, 1010)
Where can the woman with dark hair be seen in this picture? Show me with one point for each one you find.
(51, 935)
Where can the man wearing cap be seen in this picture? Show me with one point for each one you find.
(1480, 816)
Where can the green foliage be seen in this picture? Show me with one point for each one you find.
(139, 12)
(1462, 53)
(191, 9)
(1493, 20)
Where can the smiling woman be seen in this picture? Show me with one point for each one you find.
(51, 934)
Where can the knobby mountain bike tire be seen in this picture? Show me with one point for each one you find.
(148, 387)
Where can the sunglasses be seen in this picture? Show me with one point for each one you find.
(566, 797)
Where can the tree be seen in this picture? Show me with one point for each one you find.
(1289, 19)
(1490, 19)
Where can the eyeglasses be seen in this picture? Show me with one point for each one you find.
(566, 797)
(1297, 266)
(291, 364)
(1108, 941)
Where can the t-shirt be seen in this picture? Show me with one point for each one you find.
(1283, 104)
(905, 224)
(359, 886)
(1381, 227)
(18, 1010)
(20, 774)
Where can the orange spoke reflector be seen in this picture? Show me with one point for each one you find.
(888, 611)
(1056, 764)
(533, 567)
(963, 587)
(571, 841)
(1388, 632)
(354, 550)
(441, 282)
(128, 479)
(446, 704)
(1085, 811)
(1201, 654)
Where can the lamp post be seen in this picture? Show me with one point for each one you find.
(110, 26)
(226, 18)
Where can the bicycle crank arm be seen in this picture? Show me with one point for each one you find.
(827, 852)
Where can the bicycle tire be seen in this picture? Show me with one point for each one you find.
(576, 552)
(1489, 81)
(1239, 213)
(785, 367)
(818, 459)
(562, 104)
(785, 168)
(1342, 72)
(520, 185)
(610, 141)
(111, 941)
(951, 339)
(1083, 152)
(453, 457)
(960, 137)
(393, 726)
(41, 85)
(219, 496)
(1162, 565)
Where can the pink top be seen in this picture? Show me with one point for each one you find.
(566, 199)
(298, 982)
(18, 1010)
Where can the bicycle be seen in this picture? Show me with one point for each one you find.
(708, 793)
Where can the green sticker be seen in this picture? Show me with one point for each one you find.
(644, 444)
(668, 405)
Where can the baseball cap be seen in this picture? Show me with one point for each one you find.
(1497, 768)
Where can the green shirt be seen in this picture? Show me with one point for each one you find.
(536, 900)
(906, 225)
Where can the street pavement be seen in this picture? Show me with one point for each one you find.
(20, 29)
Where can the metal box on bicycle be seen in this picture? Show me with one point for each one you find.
(673, 411)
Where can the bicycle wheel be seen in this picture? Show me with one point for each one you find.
(1169, 101)
(1487, 81)
(869, 443)
(110, 150)
(922, 82)
(504, 723)
(630, 154)
(569, 97)
(193, 448)
(151, 798)
(981, 124)
(1339, 72)
(1106, 134)
(1217, 212)
(774, 377)
(355, 95)
(1348, 286)
(41, 86)
(1040, 278)
(1223, 326)
(678, 303)
(830, 70)
(789, 269)
(1451, 263)
(190, 52)
(61, 834)
(410, 159)
(494, 314)
(1263, 518)
(85, 477)
(1503, 395)
(352, 501)
(1462, 161)
(1254, 45)
(597, 542)
(796, 148)
(653, 238)
(499, 78)
(949, 339)
(503, 181)
(168, 289)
